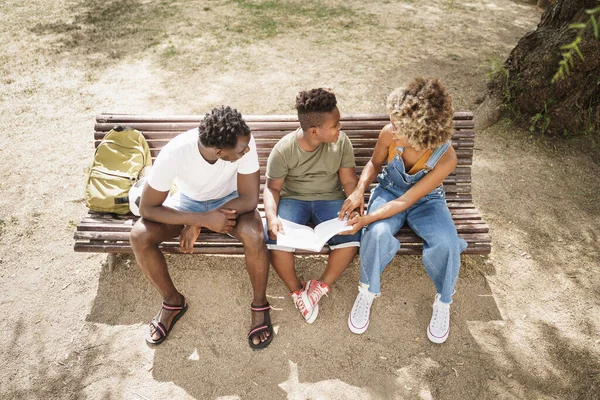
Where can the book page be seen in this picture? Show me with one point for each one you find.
(297, 236)
(325, 230)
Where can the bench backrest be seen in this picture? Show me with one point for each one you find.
(362, 130)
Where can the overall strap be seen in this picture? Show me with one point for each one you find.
(437, 154)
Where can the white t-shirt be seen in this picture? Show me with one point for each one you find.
(196, 178)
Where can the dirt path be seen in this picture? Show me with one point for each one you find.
(525, 320)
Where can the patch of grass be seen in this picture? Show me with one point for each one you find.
(266, 19)
(111, 27)
(498, 78)
(540, 121)
(4, 223)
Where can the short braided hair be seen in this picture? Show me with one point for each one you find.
(312, 105)
(422, 110)
(221, 128)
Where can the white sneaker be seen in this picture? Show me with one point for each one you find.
(308, 312)
(439, 326)
(358, 320)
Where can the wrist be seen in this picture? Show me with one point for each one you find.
(368, 219)
(360, 188)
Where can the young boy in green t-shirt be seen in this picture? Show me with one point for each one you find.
(309, 174)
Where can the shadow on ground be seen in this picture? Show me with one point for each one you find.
(393, 355)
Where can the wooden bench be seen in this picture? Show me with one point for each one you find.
(109, 233)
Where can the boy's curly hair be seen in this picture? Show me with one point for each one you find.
(312, 105)
(221, 128)
(422, 111)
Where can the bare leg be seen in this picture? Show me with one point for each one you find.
(145, 238)
(284, 265)
(338, 261)
(249, 231)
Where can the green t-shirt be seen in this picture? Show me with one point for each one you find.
(310, 175)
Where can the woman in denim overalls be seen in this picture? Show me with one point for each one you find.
(420, 156)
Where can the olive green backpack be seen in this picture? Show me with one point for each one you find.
(118, 164)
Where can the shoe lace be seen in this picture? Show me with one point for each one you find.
(316, 294)
(300, 303)
(364, 301)
(440, 313)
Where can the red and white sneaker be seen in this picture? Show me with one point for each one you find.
(314, 291)
(309, 313)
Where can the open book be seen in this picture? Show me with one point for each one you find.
(304, 237)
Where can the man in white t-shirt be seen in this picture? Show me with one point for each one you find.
(217, 171)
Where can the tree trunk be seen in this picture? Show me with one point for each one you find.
(568, 107)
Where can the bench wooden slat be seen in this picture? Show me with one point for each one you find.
(121, 118)
(122, 234)
(260, 126)
(173, 248)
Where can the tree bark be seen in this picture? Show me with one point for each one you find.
(568, 107)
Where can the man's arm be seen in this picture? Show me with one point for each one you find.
(151, 208)
(248, 187)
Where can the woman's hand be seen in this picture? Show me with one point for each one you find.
(356, 200)
(357, 222)
(188, 237)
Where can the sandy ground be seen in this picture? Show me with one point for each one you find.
(525, 321)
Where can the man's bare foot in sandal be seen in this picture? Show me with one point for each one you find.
(161, 325)
(261, 334)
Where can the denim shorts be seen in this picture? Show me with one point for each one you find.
(181, 202)
(312, 213)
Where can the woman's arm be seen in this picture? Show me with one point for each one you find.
(425, 185)
(357, 198)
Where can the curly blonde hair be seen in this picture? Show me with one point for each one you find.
(422, 111)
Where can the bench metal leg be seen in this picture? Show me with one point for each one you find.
(110, 261)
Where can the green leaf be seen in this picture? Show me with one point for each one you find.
(579, 25)
(595, 26)
(579, 54)
(593, 10)
(567, 46)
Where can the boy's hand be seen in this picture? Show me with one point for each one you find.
(188, 237)
(275, 227)
(221, 220)
(352, 202)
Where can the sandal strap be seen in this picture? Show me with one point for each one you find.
(266, 307)
(172, 307)
(159, 327)
(258, 329)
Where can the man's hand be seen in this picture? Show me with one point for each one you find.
(357, 222)
(188, 237)
(275, 227)
(354, 201)
(221, 220)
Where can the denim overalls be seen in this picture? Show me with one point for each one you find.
(429, 218)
